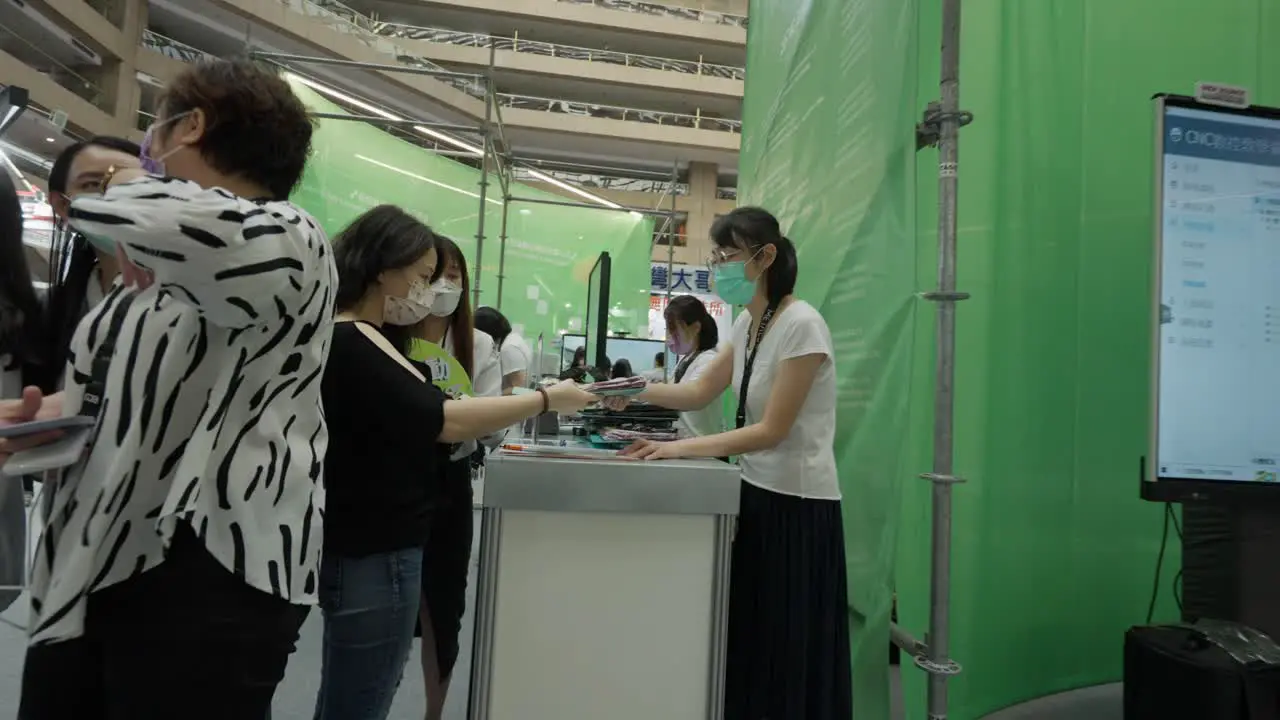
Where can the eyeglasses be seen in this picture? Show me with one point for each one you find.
(721, 256)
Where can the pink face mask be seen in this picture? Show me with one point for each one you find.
(679, 345)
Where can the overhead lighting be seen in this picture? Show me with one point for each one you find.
(448, 139)
(575, 190)
(13, 101)
(428, 180)
(49, 140)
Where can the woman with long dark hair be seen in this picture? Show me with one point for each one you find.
(788, 637)
(391, 440)
(693, 336)
(23, 354)
(24, 361)
(447, 553)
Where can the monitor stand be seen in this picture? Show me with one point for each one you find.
(1231, 563)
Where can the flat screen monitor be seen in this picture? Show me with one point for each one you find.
(597, 326)
(1216, 314)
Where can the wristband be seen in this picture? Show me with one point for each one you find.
(546, 399)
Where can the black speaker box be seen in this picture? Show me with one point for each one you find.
(1179, 673)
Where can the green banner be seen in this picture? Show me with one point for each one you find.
(549, 249)
(828, 148)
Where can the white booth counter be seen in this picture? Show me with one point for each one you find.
(603, 588)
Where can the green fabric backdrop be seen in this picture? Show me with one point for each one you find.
(827, 146)
(1054, 552)
(550, 249)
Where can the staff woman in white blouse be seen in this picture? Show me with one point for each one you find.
(788, 642)
(693, 336)
(181, 552)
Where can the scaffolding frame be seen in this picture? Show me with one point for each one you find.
(495, 156)
(940, 128)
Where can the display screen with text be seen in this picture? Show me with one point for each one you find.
(1219, 287)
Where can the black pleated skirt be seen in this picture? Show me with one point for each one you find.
(788, 640)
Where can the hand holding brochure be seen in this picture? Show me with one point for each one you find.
(618, 387)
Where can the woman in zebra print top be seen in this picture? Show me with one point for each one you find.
(179, 555)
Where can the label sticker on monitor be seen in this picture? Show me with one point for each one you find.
(1231, 96)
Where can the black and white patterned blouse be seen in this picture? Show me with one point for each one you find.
(212, 406)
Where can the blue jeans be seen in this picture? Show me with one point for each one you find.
(370, 605)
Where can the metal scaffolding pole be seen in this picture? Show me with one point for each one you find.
(316, 60)
(671, 239)
(569, 166)
(379, 120)
(485, 156)
(593, 206)
(502, 247)
(942, 122)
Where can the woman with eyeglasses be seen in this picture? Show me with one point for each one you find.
(80, 275)
(463, 362)
(788, 638)
(393, 434)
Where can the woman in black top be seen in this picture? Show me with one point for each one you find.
(22, 360)
(389, 430)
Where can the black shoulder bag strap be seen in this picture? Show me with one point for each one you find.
(682, 367)
(751, 361)
(96, 388)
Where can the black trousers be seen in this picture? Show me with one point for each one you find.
(186, 639)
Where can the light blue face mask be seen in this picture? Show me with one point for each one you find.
(732, 284)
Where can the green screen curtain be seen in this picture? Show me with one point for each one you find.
(828, 148)
(550, 250)
(1054, 553)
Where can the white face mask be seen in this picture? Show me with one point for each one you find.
(409, 310)
(447, 298)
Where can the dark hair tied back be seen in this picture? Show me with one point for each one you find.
(752, 229)
(688, 310)
(494, 324)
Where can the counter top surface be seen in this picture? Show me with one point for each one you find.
(519, 481)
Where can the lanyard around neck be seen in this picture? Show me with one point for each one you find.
(96, 388)
(751, 361)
